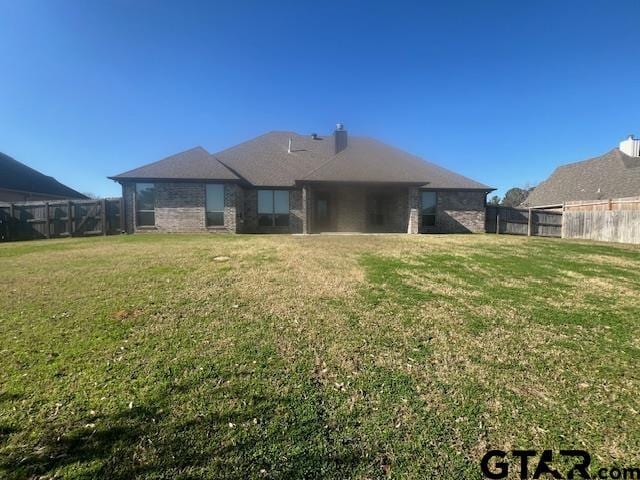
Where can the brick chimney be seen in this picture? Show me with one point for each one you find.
(340, 137)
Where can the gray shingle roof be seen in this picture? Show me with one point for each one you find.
(612, 175)
(193, 164)
(368, 160)
(264, 161)
(17, 176)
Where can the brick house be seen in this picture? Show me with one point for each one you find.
(282, 182)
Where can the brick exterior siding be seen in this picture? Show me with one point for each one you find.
(458, 212)
(180, 207)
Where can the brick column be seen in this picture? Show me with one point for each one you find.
(305, 209)
(128, 196)
(413, 210)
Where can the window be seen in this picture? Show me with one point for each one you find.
(145, 204)
(429, 203)
(273, 208)
(215, 205)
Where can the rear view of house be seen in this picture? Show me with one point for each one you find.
(283, 182)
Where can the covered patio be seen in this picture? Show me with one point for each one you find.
(369, 208)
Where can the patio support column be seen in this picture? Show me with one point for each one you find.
(413, 210)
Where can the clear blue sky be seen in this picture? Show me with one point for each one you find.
(501, 91)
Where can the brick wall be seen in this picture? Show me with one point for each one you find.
(128, 191)
(413, 210)
(296, 218)
(458, 212)
(180, 207)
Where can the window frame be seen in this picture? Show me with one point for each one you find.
(277, 219)
(138, 210)
(432, 216)
(206, 208)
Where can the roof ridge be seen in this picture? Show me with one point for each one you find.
(614, 151)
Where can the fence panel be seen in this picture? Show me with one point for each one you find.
(60, 218)
(522, 221)
(606, 226)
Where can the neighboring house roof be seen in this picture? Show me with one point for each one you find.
(612, 175)
(17, 176)
(193, 164)
(265, 161)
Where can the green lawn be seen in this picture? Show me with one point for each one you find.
(317, 357)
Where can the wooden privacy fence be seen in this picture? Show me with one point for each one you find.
(60, 218)
(627, 203)
(523, 221)
(611, 220)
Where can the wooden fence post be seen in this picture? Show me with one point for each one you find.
(497, 220)
(529, 223)
(103, 208)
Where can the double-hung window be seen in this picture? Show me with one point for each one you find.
(215, 205)
(273, 208)
(429, 202)
(145, 204)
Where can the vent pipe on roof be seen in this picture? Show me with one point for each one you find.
(630, 146)
(340, 137)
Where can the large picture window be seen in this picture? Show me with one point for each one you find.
(273, 208)
(429, 202)
(215, 205)
(145, 204)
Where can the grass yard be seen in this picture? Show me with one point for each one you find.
(317, 357)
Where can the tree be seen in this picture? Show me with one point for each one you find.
(495, 200)
(514, 197)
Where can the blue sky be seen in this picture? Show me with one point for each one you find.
(501, 91)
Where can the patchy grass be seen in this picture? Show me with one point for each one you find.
(151, 356)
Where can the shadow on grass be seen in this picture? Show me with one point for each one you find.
(148, 441)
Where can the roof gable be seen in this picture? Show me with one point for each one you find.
(193, 164)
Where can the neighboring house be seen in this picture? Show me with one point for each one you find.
(282, 182)
(19, 183)
(616, 174)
